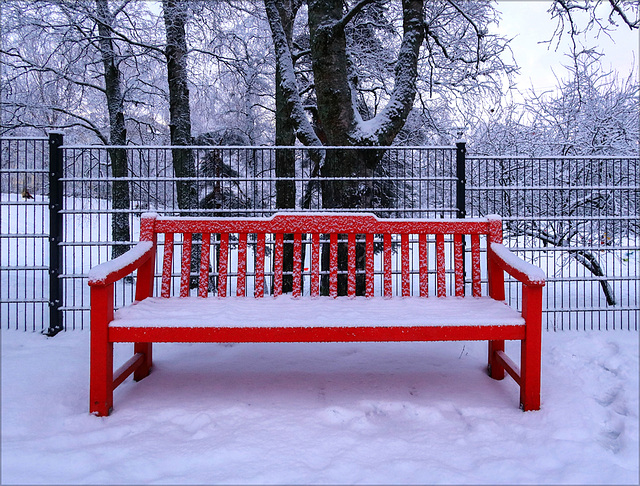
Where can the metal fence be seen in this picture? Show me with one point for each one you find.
(577, 218)
(24, 233)
(570, 216)
(230, 181)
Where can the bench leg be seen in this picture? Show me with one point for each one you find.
(101, 361)
(101, 386)
(143, 370)
(531, 349)
(496, 370)
(530, 386)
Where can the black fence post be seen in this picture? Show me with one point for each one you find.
(461, 183)
(56, 168)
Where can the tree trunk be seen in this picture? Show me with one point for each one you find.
(285, 135)
(118, 134)
(592, 264)
(343, 170)
(175, 17)
(337, 115)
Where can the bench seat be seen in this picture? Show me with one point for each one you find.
(286, 311)
(285, 319)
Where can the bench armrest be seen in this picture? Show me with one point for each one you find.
(515, 266)
(108, 272)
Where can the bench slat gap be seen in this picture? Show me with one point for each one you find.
(351, 279)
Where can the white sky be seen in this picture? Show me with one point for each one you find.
(530, 23)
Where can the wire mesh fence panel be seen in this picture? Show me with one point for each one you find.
(229, 182)
(575, 217)
(24, 233)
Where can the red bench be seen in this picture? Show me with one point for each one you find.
(413, 258)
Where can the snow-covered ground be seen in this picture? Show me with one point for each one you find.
(396, 413)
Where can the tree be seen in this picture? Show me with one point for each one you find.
(575, 17)
(285, 135)
(351, 111)
(175, 19)
(118, 132)
(84, 32)
(591, 114)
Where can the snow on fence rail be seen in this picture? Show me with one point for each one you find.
(577, 218)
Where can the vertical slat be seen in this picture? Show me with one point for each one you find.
(259, 286)
(185, 265)
(370, 267)
(458, 264)
(167, 265)
(223, 265)
(203, 283)
(333, 265)
(351, 267)
(440, 265)
(406, 282)
(388, 287)
(297, 264)
(242, 265)
(424, 266)
(315, 265)
(475, 265)
(277, 265)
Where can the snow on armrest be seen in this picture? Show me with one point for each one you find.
(516, 267)
(109, 272)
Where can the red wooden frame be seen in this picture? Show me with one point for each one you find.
(324, 229)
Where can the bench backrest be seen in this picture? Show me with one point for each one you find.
(358, 245)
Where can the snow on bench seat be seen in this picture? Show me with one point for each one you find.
(286, 311)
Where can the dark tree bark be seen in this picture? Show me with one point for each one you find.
(118, 133)
(337, 113)
(285, 136)
(175, 18)
(339, 117)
